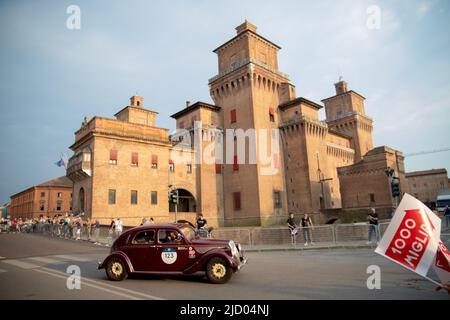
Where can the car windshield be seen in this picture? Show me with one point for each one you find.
(188, 232)
(443, 203)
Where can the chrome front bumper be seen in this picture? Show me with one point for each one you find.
(241, 263)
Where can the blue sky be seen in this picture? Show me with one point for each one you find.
(51, 77)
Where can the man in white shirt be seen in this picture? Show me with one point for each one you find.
(118, 227)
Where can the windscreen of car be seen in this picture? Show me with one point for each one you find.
(443, 203)
(144, 237)
(168, 236)
(188, 232)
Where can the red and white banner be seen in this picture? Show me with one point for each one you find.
(441, 264)
(412, 236)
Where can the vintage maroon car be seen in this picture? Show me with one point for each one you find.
(172, 249)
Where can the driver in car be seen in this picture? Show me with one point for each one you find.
(171, 237)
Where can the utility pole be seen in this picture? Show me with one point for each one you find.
(176, 205)
(172, 195)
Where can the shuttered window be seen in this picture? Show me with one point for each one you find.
(134, 159)
(154, 161)
(112, 156)
(276, 161)
(235, 164)
(233, 116)
(237, 200)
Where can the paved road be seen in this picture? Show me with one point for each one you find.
(34, 267)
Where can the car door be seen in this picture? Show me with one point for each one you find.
(172, 256)
(142, 250)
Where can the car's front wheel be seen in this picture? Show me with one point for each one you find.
(116, 270)
(218, 271)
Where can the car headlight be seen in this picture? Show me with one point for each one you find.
(234, 250)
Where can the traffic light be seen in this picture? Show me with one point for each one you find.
(395, 187)
(173, 197)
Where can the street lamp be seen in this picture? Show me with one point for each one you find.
(394, 183)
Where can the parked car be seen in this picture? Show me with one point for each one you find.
(442, 200)
(172, 249)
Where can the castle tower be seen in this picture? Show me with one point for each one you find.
(345, 113)
(248, 89)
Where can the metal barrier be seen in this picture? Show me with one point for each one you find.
(256, 236)
(243, 236)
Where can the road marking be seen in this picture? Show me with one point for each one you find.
(83, 282)
(21, 264)
(65, 275)
(71, 258)
(2, 258)
(45, 260)
(2, 271)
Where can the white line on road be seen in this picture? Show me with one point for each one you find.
(83, 282)
(3, 271)
(21, 264)
(72, 258)
(46, 260)
(146, 296)
(2, 258)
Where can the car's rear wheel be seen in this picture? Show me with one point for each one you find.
(116, 269)
(218, 270)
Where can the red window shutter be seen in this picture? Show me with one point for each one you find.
(237, 200)
(235, 164)
(218, 168)
(154, 159)
(194, 118)
(276, 161)
(113, 155)
(134, 158)
(271, 111)
(233, 116)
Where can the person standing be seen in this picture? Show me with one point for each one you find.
(373, 225)
(89, 229)
(292, 227)
(111, 229)
(97, 231)
(118, 227)
(447, 216)
(307, 227)
(78, 225)
(202, 225)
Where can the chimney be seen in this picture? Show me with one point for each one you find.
(188, 103)
(341, 87)
(245, 26)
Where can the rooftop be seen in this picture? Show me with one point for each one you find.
(57, 182)
(242, 29)
(60, 182)
(297, 101)
(193, 107)
(344, 93)
(426, 172)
